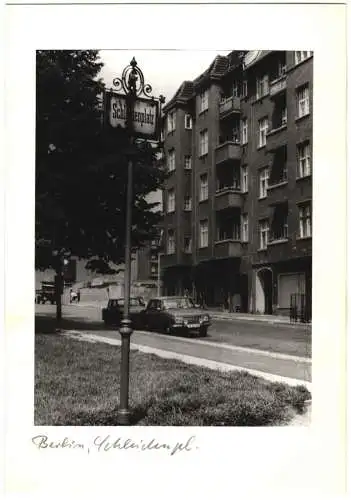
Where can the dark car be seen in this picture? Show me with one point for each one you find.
(175, 314)
(113, 313)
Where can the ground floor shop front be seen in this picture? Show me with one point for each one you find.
(280, 287)
(266, 289)
(213, 283)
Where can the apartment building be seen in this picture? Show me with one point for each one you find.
(238, 200)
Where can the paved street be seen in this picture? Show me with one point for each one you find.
(278, 349)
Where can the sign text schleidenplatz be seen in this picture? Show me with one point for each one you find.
(144, 114)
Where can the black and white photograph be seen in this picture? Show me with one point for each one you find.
(181, 224)
(170, 264)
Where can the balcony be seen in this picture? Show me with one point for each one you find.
(277, 193)
(277, 181)
(227, 248)
(228, 197)
(280, 235)
(228, 106)
(228, 151)
(171, 260)
(277, 137)
(277, 86)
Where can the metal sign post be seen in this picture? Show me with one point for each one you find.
(141, 118)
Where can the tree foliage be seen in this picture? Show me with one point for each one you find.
(81, 166)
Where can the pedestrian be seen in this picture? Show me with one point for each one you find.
(70, 296)
(78, 295)
(73, 296)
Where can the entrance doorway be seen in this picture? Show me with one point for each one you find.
(264, 291)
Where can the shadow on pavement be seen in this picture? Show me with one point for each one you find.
(48, 324)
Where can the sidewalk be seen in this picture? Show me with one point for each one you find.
(267, 318)
(219, 315)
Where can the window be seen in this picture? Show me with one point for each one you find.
(162, 135)
(263, 227)
(305, 220)
(171, 160)
(244, 131)
(203, 187)
(203, 101)
(171, 122)
(171, 201)
(245, 227)
(187, 203)
(281, 69)
(279, 223)
(187, 244)
(303, 160)
(236, 135)
(203, 233)
(302, 55)
(153, 269)
(203, 142)
(188, 122)
(262, 132)
(171, 242)
(262, 86)
(236, 89)
(187, 162)
(263, 179)
(244, 89)
(244, 179)
(303, 101)
(284, 116)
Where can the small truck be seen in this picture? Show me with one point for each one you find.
(46, 293)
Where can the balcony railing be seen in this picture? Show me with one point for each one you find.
(279, 235)
(278, 180)
(227, 151)
(277, 85)
(229, 105)
(234, 234)
(222, 186)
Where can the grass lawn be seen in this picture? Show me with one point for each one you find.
(77, 383)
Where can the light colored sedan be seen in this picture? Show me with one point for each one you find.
(175, 314)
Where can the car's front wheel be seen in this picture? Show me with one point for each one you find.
(167, 328)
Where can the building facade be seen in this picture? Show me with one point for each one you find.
(238, 199)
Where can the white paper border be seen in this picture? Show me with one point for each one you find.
(228, 461)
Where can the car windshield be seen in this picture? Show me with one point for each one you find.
(133, 301)
(178, 303)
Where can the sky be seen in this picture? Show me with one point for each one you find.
(164, 70)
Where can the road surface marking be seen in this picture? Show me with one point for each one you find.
(215, 365)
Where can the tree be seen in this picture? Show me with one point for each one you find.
(81, 167)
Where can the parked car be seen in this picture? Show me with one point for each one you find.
(175, 314)
(113, 313)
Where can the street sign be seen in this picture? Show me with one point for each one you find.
(145, 115)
